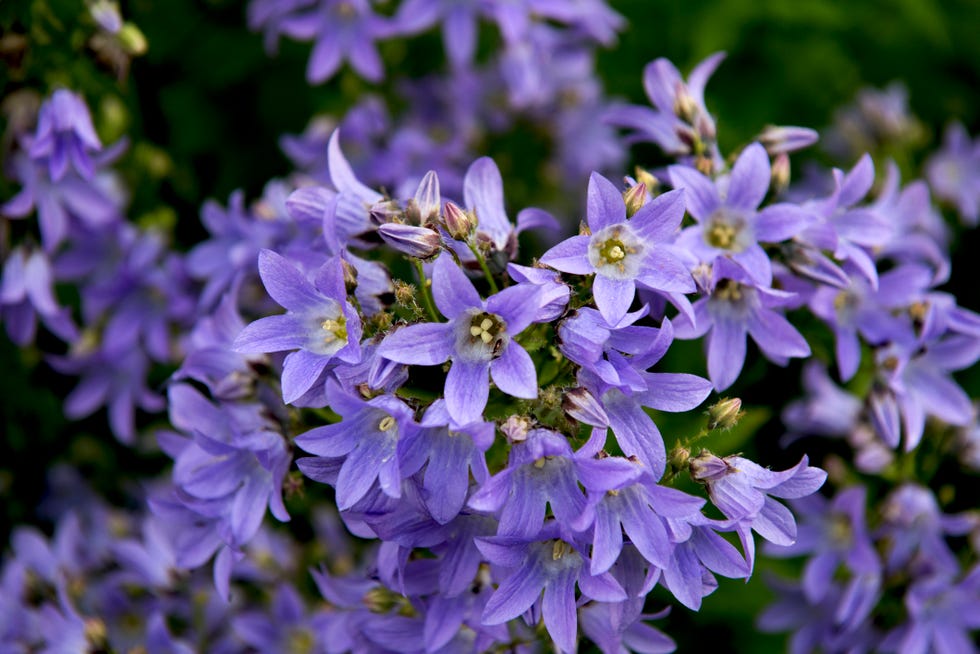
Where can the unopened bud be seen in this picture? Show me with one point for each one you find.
(516, 428)
(780, 140)
(404, 293)
(459, 223)
(427, 199)
(725, 413)
(645, 177)
(350, 276)
(780, 173)
(679, 457)
(635, 197)
(384, 212)
(132, 40)
(418, 242)
(95, 633)
(704, 165)
(684, 105)
(106, 14)
(707, 467)
(581, 405)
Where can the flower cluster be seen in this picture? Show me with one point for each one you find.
(466, 447)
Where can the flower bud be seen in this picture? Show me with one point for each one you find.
(707, 467)
(350, 276)
(725, 413)
(516, 428)
(132, 40)
(635, 197)
(780, 140)
(385, 211)
(581, 405)
(779, 179)
(427, 199)
(418, 242)
(647, 178)
(106, 14)
(460, 224)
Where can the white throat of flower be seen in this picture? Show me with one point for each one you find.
(727, 230)
(328, 331)
(616, 252)
(480, 335)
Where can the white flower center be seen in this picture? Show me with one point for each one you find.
(480, 336)
(616, 252)
(727, 230)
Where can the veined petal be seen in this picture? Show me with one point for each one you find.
(515, 595)
(300, 371)
(451, 288)
(559, 611)
(700, 193)
(425, 344)
(674, 391)
(776, 337)
(613, 297)
(513, 372)
(467, 390)
(483, 192)
(750, 178)
(286, 284)
(570, 256)
(659, 219)
(272, 334)
(726, 353)
(605, 203)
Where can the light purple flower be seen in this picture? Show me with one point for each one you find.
(728, 221)
(954, 173)
(734, 309)
(319, 322)
(624, 252)
(479, 339)
(65, 136)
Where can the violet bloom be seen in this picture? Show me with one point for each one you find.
(65, 136)
(726, 210)
(623, 253)
(680, 118)
(546, 569)
(344, 29)
(859, 309)
(954, 173)
(26, 293)
(319, 322)
(915, 382)
(542, 471)
(734, 309)
(834, 533)
(744, 491)
(368, 439)
(449, 452)
(942, 617)
(827, 409)
(479, 339)
(459, 18)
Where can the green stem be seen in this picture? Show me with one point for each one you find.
(483, 265)
(426, 293)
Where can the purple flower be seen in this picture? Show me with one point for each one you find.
(449, 452)
(735, 308)
(827, 410)
(319, 322)
(26, 293)
(546, 569)
(479, 338)
(942, 617)
(345, 29)
(541, 471)
(725, 209)
(623, 253)
(65, 136)
(954, 173)
(370, 440)
(744, 492)
(680, 120)
(833, 533)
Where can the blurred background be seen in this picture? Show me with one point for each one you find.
(205, 107)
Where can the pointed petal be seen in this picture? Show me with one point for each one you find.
(425, 344)
(467, 390)
(513, 372)
(726, 353)
(451, 288)
(605, 203)
(570, 256)
(750, 178)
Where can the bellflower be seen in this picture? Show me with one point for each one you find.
(624, 252)
(370, 439)
(734, 309)
(65, 136)
(726, 210)
(546, 569)
(478, 339)
(541, 471)
(954, 173)
(942, 616)
(26, 293)
(744, 492)
(319, 322)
